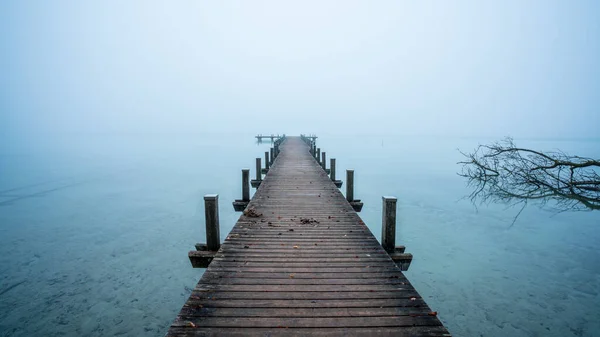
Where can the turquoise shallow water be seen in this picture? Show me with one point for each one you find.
(94, 236)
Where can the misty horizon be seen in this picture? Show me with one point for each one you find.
(391, 68)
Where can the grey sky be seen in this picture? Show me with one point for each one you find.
(472, 68)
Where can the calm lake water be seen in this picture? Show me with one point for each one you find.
(94, 234)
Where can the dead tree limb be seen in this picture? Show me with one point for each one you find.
(504, 173)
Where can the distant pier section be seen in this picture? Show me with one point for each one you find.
(272, 137)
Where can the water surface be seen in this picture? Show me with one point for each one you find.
(94, 234)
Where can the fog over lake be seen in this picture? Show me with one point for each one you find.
(116, 118)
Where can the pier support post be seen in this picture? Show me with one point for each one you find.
(338, 183)
(323, 161)
(272, 157)
(258, 168)
(355, 203)
(246, 184)
(332, 169)
(318, 158)
(211, 214)
(388, 226)
(256, 182)
(266, 169)
(350, 185)
(204, 253)
(240, 204)
(388, 234)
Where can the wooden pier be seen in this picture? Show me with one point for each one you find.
(301, 262)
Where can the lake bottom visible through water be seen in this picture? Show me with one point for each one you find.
(94, 237)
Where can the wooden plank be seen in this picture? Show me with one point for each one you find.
(301, 270)
(295, 303)
(307, 295)
(312, 322)
(427, 331)
(289, 288)
(362, 258)
(301, 264)
(311, 281)
(303, 312)
(301, 254)
(367, 274)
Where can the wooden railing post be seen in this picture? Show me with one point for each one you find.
(272, 157)
(258, 169)
(256, 182)
(318, 158)
(211, 214)
(245, 184)
(266, 161)
(350, 185)
(324, 160)
(388, 234)
(332, 169)
(388, 226)
(355, 203)
(338, 183)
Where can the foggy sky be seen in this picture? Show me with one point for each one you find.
(464, 68)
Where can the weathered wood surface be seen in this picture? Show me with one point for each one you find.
(308, 265)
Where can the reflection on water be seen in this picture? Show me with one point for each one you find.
(94, 239)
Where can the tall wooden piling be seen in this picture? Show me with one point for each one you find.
(338, 183)
(350, 185)
(256, 182)
(272, 157)
(245, 184)
(323, 160)
(266, 161)
(388, 226)
(258, 169)
(211, 215)
(318, 157)
(332, 169)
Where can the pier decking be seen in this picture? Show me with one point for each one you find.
(300, 261)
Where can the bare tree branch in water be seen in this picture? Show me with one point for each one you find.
(502, 172)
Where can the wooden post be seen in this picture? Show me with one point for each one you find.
(338, 183)
(256, 182)
(319, 155)
(388, 226)
(272, 158)
(245, 184)
(211, 214)
(267, 160)
(258, 169)
(323, 160)
(350, 185)
(314, 149)
(332, 169)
